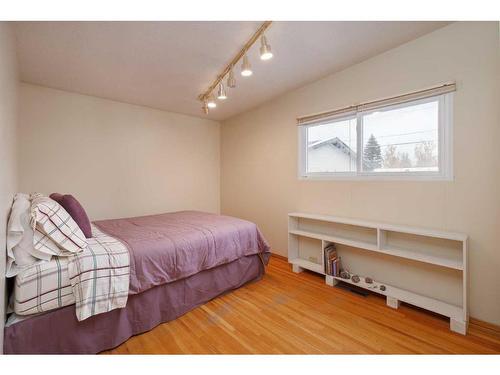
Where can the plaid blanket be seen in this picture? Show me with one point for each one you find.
(97, 280)
(99, 275)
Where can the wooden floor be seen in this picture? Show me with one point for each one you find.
(298, 313)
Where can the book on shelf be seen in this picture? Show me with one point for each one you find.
(332, 262)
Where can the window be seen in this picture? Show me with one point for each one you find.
(409, 140)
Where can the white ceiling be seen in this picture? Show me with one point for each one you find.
(165, 65)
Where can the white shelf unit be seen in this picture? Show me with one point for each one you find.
(309, 234)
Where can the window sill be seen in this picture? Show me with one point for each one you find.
(379, 177)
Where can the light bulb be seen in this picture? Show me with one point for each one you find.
(246, 69)
(221, 94)
(211, 101)
(265, 49)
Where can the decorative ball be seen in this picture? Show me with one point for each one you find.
(382, 287)
(355, 279)
(368, 280)
(345, 275)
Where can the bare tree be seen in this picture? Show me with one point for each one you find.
(391, 159)
(404, 160)
(424, 153)
(394, 159)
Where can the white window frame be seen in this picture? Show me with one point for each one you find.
(445, 147)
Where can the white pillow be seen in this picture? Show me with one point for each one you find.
(21, 253)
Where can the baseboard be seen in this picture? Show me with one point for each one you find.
(281, 257)
(485, 325)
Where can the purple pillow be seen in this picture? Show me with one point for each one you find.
(76, 211)
(57, 197)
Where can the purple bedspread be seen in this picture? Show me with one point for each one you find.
(173, 246)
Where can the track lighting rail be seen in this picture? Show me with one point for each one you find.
(206, 95)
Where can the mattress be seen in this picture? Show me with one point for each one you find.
(43, 287)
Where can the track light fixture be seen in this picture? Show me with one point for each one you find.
(204, 107)
(265, 49)
(246, 68)
(218, 87)
(231, 82)
(221, 94)
(211, 101)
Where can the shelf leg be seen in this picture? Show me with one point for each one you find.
(296, 268)
(329, 280)
(392, 302)
(458, 326)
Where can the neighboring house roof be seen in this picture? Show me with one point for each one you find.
(336, 142)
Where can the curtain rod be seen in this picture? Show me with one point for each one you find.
(425, 93)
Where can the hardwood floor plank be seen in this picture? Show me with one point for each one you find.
(287, 313)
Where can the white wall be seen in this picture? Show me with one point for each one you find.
(118, 159)
(8, 168)
(259, 152)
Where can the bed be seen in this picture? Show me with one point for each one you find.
(177, 261)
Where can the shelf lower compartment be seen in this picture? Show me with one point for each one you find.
(431, 304)
(311, 266)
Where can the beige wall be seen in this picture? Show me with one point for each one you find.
(8, 168)
(259, 152)
(118, 159)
